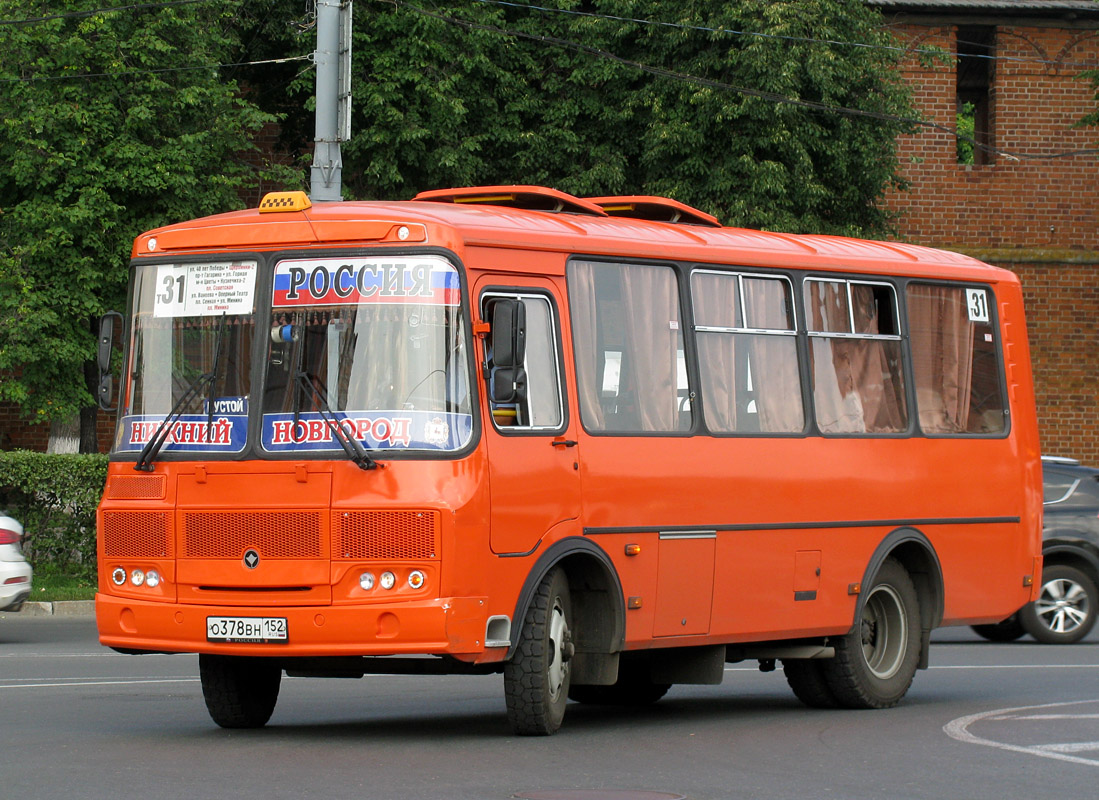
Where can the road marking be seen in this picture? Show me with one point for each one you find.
(126, 682)
(966, 666)
(959, 729)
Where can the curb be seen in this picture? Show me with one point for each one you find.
(66, 608)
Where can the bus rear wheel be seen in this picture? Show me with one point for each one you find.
(536, 680)
(239, 692)
(876, 662)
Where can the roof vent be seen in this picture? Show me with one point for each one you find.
(533, 198)
(657, 209)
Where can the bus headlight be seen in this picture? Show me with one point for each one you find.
(118, 577)
(389, 580)
(366, 581)
(152, 579)
(137, 577)
(415, 579)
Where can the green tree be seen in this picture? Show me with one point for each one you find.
(1093, 77)
(110, 123)
(773, 115)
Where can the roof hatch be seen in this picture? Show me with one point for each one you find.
(657, 209)
(534, 198)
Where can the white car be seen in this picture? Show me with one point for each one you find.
(15, 572)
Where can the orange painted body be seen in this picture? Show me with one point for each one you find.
(741, 539)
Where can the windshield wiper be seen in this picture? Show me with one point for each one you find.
(160, 436)
(318, 398)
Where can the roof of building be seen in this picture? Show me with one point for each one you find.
(1058, 8)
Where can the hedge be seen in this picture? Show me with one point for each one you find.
(54, 496)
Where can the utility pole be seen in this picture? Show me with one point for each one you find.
(333, 118)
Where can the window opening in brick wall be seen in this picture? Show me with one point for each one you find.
(976, 46)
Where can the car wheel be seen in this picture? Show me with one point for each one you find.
(1065, 610)
(1007, 631)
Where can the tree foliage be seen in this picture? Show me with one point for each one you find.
(111, 123)
(773, 115)
(115, 122)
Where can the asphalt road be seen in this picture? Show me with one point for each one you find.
(986, 721)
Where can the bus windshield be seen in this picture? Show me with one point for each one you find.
(190, 357)
(375, 343)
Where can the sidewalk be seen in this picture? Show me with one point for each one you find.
(66, 608)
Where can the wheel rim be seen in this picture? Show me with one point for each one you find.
(884, 631)
(1063, 605)
(558, 669)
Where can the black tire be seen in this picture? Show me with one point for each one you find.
(1007, 631)
(876, 662)
(806, 678)
(536, 680)
(633, 688)
(240, 692)
(1065, 610)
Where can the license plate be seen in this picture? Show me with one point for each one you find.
(259, 630)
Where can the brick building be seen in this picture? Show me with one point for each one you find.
(1027, 199)
(1030, 202)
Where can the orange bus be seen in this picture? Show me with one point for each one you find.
(599, 445)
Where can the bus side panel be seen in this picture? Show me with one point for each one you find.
(775, 504)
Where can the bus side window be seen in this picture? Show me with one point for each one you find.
(747, 347)
(955, 360)
(855, 356)
(521, 362)
(628, 342)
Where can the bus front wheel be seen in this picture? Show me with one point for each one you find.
(875, 663)
(536, 680)
(239, 692)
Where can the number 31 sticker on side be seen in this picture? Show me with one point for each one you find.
(977, 305)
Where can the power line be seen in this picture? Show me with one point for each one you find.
(713, 84)
(93, 12)
(775, 36)
(129, 73)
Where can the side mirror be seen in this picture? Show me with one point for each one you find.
(509, 333)
(103, 357)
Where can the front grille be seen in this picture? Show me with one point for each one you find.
(136, 534)
(136, 487)
(274, 534)
(385, 534)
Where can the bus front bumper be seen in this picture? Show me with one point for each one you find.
(450, 625)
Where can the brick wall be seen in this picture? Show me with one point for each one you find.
(17, 433)
(1062, 304)
(1034, 201)
(1036, 216)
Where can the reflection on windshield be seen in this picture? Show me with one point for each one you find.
(381, 340)
(190, 358)
(374, 345)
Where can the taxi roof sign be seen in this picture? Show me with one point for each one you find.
(284, 201)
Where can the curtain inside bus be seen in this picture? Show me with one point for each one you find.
(954, 363)
(629, 314)
(858, 384)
